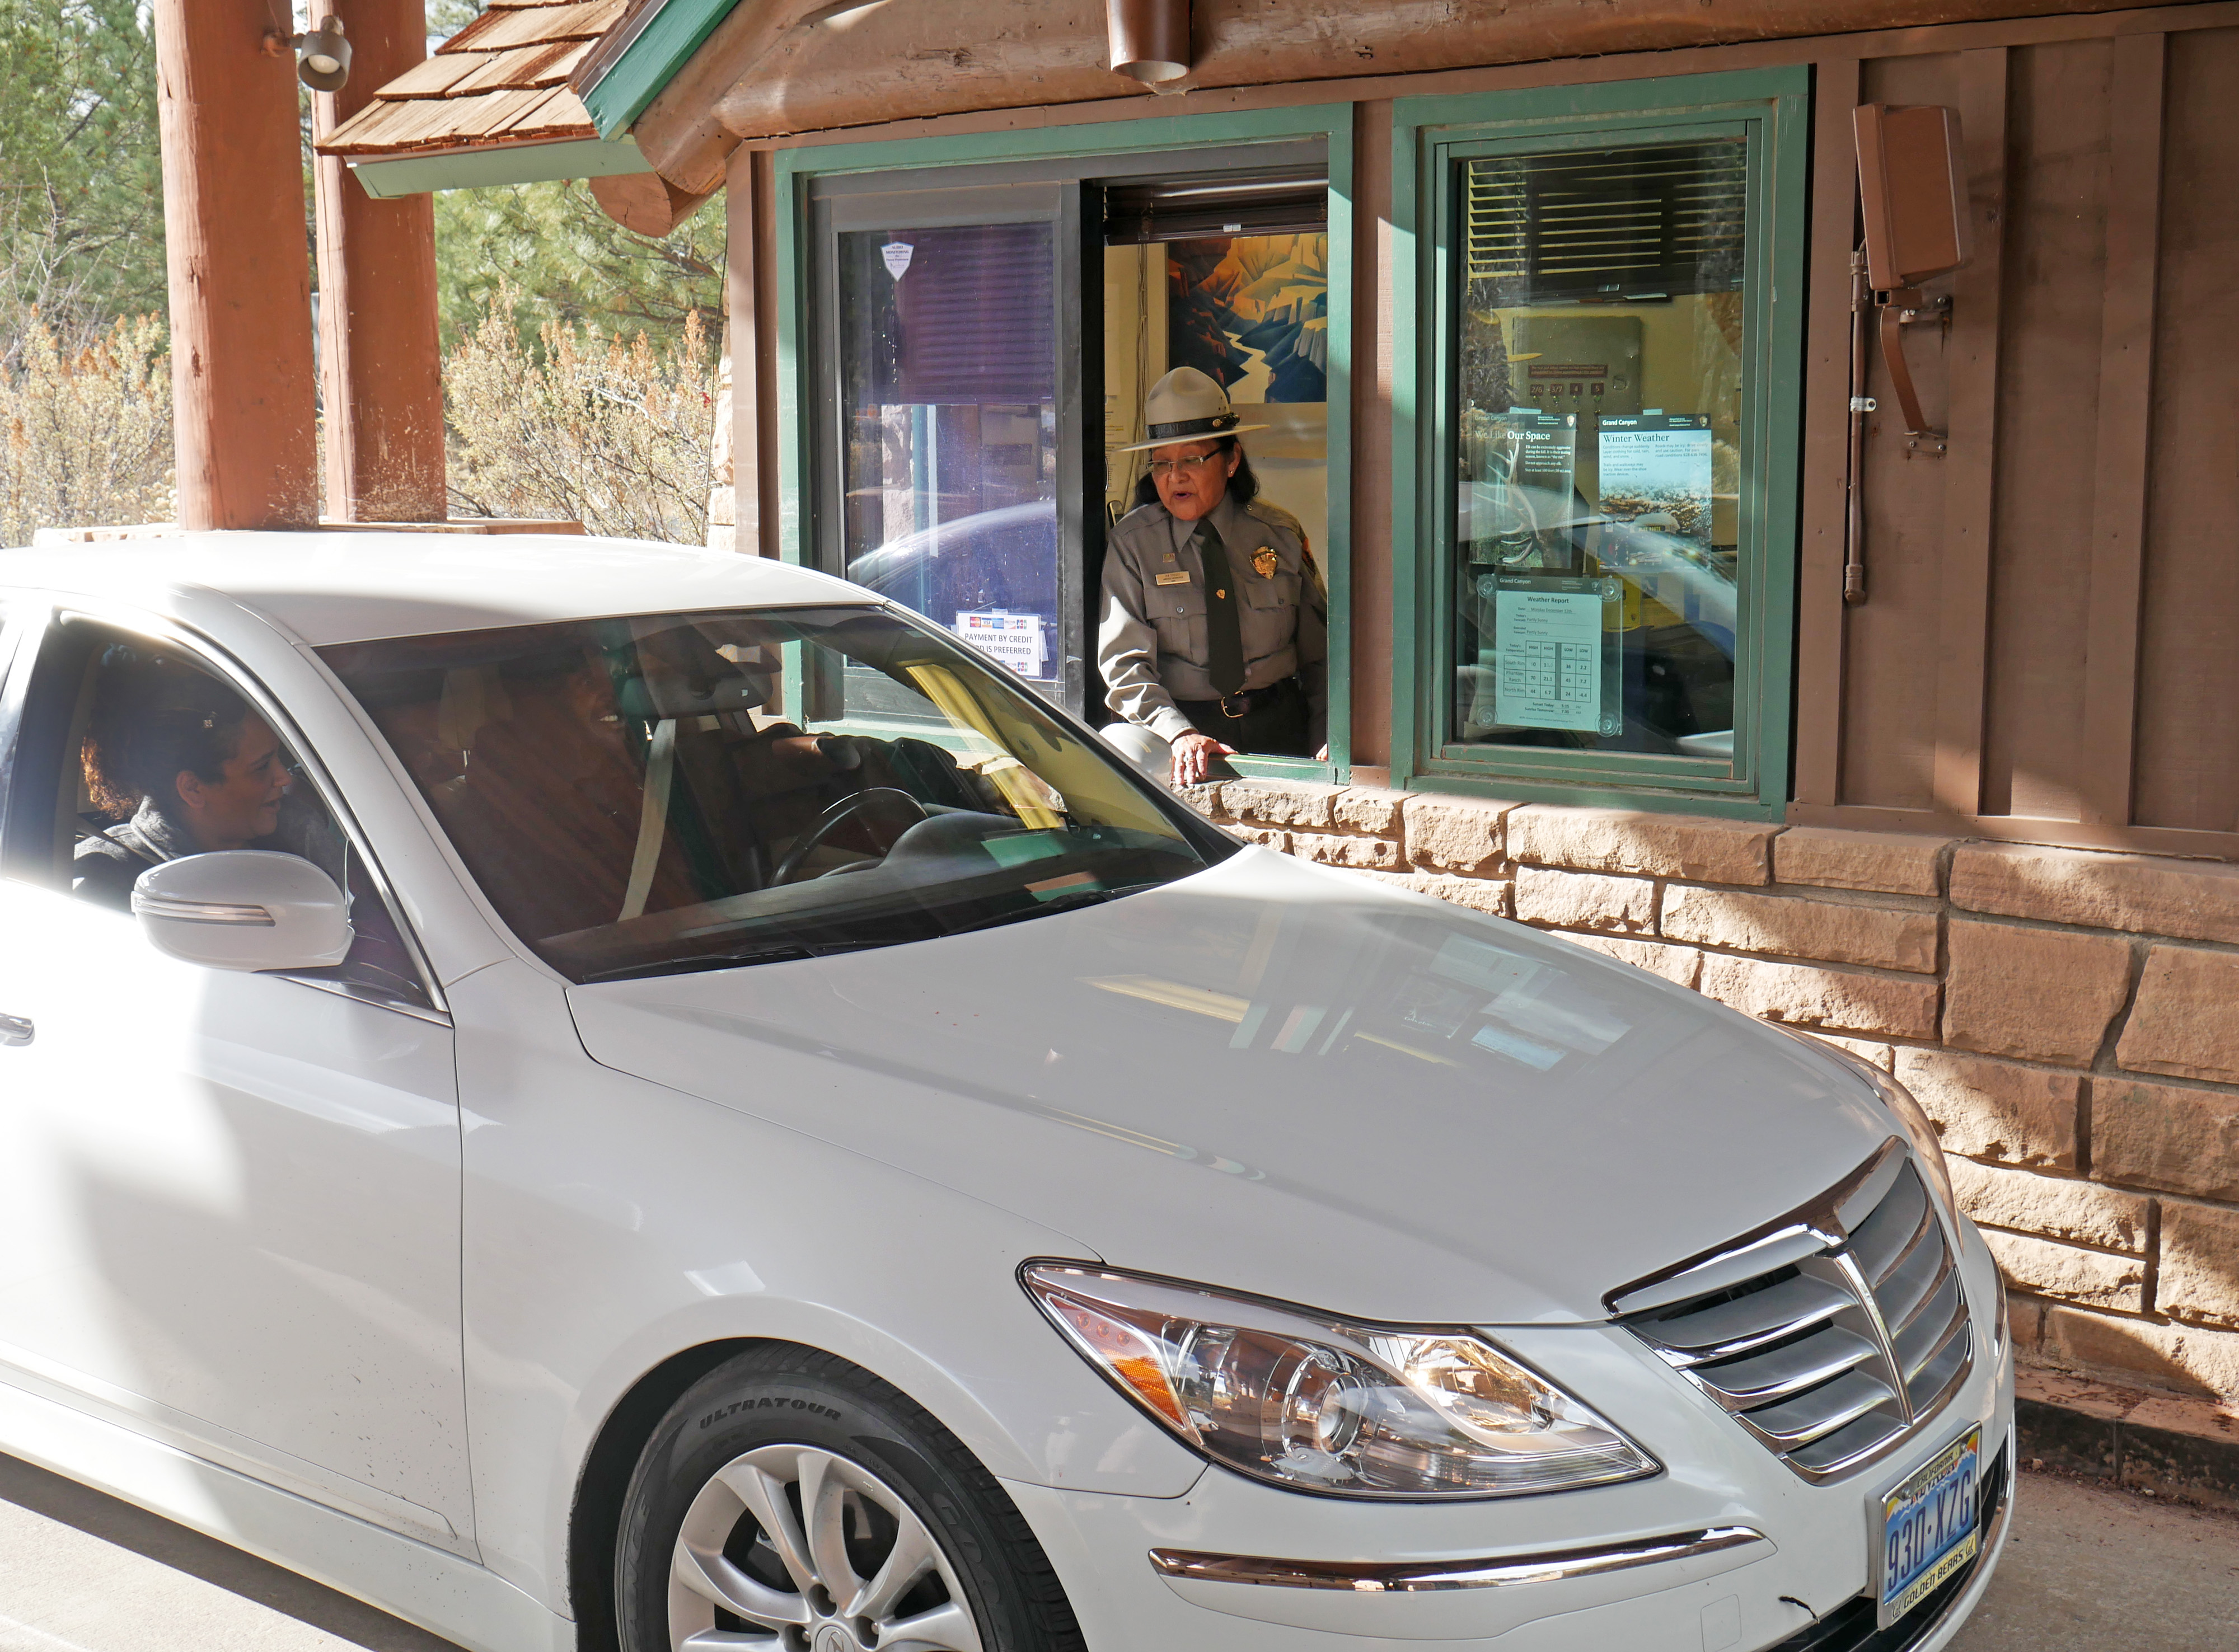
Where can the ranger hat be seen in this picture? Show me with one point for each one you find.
(1187, 406)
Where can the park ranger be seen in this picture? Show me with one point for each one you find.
(1213, 639)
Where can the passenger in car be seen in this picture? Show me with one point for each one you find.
(187, 767)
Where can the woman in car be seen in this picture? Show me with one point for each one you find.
(186, 765)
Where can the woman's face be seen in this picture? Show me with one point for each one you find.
(244, 803)
(1193, 476)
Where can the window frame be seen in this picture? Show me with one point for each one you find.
(800, 329)
(209, 656)
(1431, 137)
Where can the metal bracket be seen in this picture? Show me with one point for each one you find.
(1900, 308)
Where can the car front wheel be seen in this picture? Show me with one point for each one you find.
(793, 1502)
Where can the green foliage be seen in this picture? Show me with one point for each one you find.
(556, 257)
(81, 181)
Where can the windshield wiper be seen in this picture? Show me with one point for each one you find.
(781, 954)
(1062, 903)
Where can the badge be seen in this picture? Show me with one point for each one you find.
(1179, 577)
(1263, 561)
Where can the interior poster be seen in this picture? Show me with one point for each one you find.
(1656, 472)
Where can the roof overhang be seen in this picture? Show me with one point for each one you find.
(641, 55)
(477, 168)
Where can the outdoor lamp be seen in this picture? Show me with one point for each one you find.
(323, 57)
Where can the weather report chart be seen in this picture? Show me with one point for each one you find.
(1551, 638)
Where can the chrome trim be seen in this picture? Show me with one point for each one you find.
(201, 911)
(1422, 1577)
(1829, 1364)
(15, 1031)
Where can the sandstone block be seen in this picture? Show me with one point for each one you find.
(1488, 895)
(1581, 900)
(2077, 1212)
(1680, 964)
(1816, 1000)
(2200, 1264)
(1874, 1055)
(1836, 859)
(2159, 1136)
(1989, 1109)
(2183, 1024)
(2183, 1358)
(2037, 993)
(1381, 854)
(2053, 1269)
(1204, 798)
(1840, 932)
(1362, 808)
(1692, 846)
(1278, 841)
(2139, 894)
(1455, 834)
(1279, 803)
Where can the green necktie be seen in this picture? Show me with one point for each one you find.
(1224, 633)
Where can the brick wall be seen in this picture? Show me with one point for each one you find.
(2070, 1020)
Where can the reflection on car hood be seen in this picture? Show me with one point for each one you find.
(1283, 1079)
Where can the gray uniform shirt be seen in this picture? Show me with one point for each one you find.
(1152, 644)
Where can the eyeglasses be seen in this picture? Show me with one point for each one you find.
(1165, 467)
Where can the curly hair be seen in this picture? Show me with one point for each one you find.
(153, 719)
(1243, 486)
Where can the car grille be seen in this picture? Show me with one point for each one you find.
(1832, 1334)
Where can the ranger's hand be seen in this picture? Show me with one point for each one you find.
(1195, 753)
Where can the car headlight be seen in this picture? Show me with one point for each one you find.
(1319, 1405)
(1919, 1129)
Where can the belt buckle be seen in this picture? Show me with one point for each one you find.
(1234, 716)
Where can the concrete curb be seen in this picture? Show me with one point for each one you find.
(2171, 1445)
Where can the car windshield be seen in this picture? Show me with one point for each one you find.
(649, 794)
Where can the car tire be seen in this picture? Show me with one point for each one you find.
(775, 1492)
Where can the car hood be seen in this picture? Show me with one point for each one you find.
(1283, 1079)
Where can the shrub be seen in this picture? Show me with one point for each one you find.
(612, 434)
(85, 432)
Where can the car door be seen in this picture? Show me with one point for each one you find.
(228, 1202)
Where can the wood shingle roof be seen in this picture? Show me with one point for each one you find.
(501, 80)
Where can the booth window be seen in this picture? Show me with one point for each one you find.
(1609, 585)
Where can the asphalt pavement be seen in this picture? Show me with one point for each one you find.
(2088, 1570)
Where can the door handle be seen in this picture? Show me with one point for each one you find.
(15, 1029)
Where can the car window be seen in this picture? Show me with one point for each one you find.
(121, 718)
(631, 799)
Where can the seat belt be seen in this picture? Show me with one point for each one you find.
(652, 817)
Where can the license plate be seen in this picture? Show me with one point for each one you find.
(1928, 1527)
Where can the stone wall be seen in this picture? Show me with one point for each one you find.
(2070, 1020)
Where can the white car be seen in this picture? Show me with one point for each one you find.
(620, 1149)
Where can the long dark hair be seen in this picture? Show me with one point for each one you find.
(1243, 486)
(155, 718)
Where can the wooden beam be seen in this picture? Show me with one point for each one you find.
(1970, 468)
(244, 407)
(1822, 631)
(2126, 394)
(380, 358)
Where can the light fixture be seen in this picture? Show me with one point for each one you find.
(323, 57)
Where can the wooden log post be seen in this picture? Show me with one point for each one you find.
(244, 401)
(380, 360)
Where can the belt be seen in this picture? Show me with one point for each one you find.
(1245, 701)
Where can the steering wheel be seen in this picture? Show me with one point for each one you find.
(830, 819)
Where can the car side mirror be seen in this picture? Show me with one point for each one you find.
(244, 909)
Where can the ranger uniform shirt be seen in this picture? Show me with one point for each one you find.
(1152, 644)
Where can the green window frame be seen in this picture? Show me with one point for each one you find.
(1089, 143)
(1431, 139)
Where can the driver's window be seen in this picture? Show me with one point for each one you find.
(163, 759)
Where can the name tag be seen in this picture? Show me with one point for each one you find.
(1180, 577)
